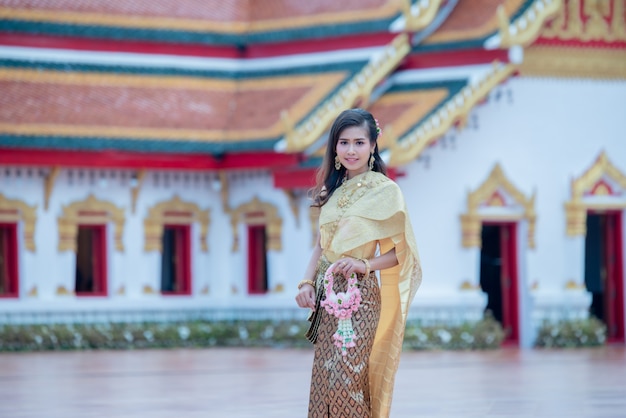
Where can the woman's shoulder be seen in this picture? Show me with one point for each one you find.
(379, 179)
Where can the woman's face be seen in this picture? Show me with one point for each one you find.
(354, 149)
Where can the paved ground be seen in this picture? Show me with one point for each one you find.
(238, 383)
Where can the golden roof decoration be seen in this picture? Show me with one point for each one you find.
(525, 29)
(358, 88)
(416, 16)
(589, 20)
(457, 107)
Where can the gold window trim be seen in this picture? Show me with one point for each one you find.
(472, 219)
(13, 211)
(269, 218)
(576, 208)
(89, 211)
(174, 211)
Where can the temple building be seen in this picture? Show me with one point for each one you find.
(155, 156)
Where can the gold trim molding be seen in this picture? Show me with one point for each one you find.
(256, 212)
(576, 209)
(138, 179)
(575, 62)
(90, 211)
(174, 211)
(14, 210)
(49, 185)
(471, 221)
(359, 87)
(411, 145)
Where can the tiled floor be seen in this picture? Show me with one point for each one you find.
(238, 383)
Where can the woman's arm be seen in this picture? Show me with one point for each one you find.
(306, 295)
(384, 261)
(349, 265)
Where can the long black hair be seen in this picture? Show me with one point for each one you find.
(328, 177)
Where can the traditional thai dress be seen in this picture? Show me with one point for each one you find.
(364, 215)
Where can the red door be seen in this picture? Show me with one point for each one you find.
(176, 260)
(257, 262)
(498, 276)
(9, 283)
(91, 261)
(614, 277)
(510, 306)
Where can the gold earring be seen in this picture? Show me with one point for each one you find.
(371, 162)
(337, 163)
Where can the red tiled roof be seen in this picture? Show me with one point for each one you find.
(221, 10)
(155, 107)
(472, 19)
(260, 14)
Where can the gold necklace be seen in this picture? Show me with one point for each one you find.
(344, 199)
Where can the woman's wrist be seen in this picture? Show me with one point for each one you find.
(368, 268)
(306, 281)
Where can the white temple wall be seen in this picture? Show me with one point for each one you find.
(543, 133)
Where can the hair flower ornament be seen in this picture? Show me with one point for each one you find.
(378, 130)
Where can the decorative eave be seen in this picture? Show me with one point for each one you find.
(526, 28)
(411, 145)
(357, 89)
(416, 17)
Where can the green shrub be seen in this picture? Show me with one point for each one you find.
(484, 334)
(571, 333)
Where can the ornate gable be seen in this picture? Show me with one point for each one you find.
(601, 187)
(14, 210)
(257, 212)
(89, 211)
(497, 199)
(174, 211)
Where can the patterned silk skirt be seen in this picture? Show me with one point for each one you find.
(340, 384)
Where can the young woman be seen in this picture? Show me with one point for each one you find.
(357, 326)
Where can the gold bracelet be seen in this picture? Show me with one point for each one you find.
(303, 282)
(368, 269)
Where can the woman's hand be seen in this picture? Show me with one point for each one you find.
(306, 297)
(347, 266)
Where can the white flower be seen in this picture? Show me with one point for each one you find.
(444, 336)
(183, 332)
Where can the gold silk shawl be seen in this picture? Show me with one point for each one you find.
(367, 210)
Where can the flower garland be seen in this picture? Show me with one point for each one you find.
(342, 305)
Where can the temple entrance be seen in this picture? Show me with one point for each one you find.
(604, 274)
(257, 259)
(498, 276)
(9, 285)
(90, 273)
(176, 260)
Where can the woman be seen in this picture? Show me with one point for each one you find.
(363, 228)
